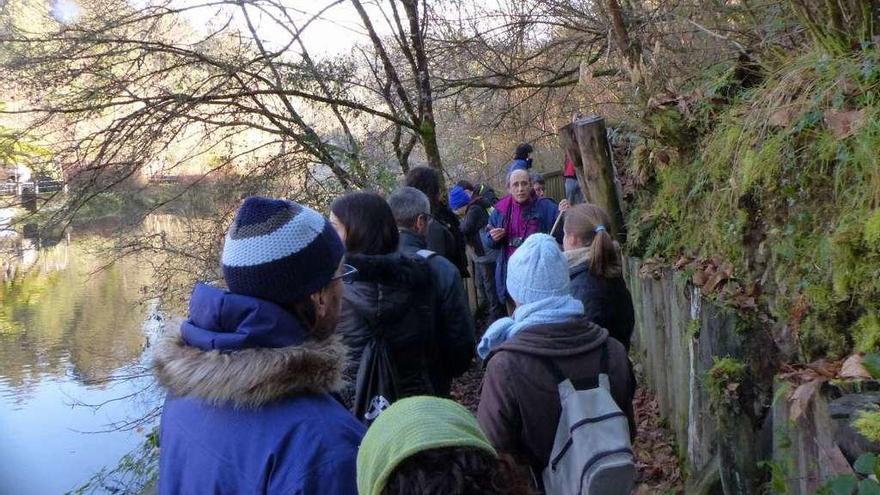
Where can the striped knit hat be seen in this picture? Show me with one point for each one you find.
(279, 250)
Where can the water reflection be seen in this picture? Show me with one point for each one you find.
(65, 327)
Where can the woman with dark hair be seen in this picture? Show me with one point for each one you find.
(444, 236)
(390, 304)
(431, 446)
(365, 223)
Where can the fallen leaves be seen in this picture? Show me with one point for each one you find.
(844, 123)
(655, 454)
(809, 378)
(852, 368)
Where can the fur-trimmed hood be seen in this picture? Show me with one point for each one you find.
(249, 377)
(244, 352)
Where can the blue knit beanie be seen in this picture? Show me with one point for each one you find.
(458, 198)
(537, 270)
(279, 250)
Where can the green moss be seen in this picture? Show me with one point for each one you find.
(868, 425)
(809, 195)
(693, 329)
(723, 381)
(866, 332)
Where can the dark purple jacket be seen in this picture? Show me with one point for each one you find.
(248, 408)
(519, 403)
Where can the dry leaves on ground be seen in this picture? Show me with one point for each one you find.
(656, 459)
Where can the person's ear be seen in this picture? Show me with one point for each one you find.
(319, 302)
(422, 223)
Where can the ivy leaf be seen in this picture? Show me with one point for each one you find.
(869, 487)
(871, 362)
(865, 464)
(843, 485)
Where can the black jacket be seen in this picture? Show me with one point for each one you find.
(445, 238)
(453, 324)
(392, 297)
(607, 302)
(476, 217)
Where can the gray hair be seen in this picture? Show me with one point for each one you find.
(407, 203)
(510, 175)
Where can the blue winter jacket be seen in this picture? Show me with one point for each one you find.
(248, 408)
(542, 211)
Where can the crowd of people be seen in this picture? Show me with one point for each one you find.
(325, 364)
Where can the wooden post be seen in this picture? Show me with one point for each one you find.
(587, 143)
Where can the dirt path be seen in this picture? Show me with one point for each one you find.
(659, 472)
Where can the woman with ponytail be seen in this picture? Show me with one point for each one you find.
(596, 271)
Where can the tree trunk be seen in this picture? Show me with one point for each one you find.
(425, 97)
(587, 143)
(629, 48)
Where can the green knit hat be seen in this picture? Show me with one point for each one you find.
(411, 426)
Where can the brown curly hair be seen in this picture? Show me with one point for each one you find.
(457, 471)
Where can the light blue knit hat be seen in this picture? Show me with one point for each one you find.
(537, 270)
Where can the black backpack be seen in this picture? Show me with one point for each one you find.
(379, 383)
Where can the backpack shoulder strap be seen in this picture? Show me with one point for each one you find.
(559, 376)
(426, 253)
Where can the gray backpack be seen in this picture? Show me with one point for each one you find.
(592, 454)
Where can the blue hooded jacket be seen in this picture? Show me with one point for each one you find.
(248, 407)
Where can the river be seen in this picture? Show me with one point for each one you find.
(74, 336)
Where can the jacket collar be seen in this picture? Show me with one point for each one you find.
(410, 241)
(577, 259)
(568, 338)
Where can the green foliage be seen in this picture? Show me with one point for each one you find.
(778, 187)
(866, 465)
(866, 332)
(777, 477)
(871, 362)
(868, 424)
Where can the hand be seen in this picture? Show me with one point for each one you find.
(497, 234)
(564, 205)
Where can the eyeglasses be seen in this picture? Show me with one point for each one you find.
(348, 274)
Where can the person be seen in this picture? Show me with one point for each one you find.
(519, 405)
(517, 216)
(444, 236)
(431, 446)
(391, 298)
(538, 184)
(522, 159)
(250, 373)
(474, 211)
(573, 192)
(596, 271)
(454, 325)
